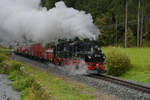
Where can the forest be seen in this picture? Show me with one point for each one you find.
(122, 23)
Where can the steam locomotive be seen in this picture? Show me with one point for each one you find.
(68, 52)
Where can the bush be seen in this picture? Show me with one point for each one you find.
(35, 93)
(2, 58)
(4, 67)
(21, 84)
(15, 66)
(39, 93)
(117, 62)
(3, 64)
(15, 75)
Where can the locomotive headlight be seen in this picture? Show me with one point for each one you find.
(89, 57)
(104, 57)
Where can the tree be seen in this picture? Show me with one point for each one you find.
(141, 33)
(130, 38)
(138, 24)
(113, 17)
(126, 24)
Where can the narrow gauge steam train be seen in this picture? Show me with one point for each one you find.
(68, 53)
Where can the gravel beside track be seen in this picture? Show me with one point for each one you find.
(6, 92)
(117, 90)
(130, 84)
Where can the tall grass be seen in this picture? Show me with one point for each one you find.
(29, 88)
(61, 88)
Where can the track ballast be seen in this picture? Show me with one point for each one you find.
(126, 83)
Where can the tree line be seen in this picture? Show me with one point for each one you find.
(121, 22)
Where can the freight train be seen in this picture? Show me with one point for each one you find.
(66, 53)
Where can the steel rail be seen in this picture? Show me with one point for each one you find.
(126, 83)
(123, 82)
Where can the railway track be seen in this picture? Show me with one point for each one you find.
(129, 91)
(126, 83)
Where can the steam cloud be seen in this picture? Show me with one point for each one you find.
(26, 18)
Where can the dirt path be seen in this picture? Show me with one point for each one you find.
(6, 91)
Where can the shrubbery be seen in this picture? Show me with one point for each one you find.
(4, 68)
(117, 62)
(23, 83)
(3, 58)
(15, 66)
(38, 93)
(15, 75)
(3, 64)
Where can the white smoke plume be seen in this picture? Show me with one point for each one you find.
(75, 69)
(79, 69)
(26, 18)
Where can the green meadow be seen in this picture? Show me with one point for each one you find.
(140, 60)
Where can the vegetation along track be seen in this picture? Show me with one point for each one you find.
(126, 83)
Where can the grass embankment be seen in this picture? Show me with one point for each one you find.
(55, 88)
(140, 60)
(4, 50)
(60, 87)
